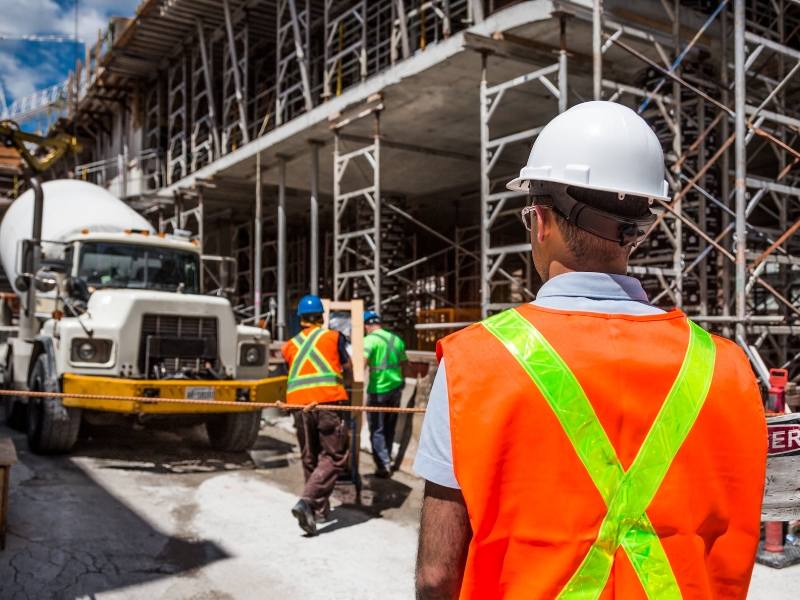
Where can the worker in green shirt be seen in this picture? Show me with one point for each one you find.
(385, 355)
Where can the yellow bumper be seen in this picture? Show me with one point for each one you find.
(262, 390)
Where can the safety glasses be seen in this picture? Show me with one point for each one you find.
(526, 216)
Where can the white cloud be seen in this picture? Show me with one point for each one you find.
(18, 79)
(49, 17)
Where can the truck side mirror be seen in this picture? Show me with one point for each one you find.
(77, 289)
(45, 281)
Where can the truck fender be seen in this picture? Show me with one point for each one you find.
(43, 345)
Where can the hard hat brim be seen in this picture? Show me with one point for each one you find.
(520, 184)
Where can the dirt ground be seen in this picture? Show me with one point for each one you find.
(146, 513)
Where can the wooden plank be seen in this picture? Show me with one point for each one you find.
(4, 478)
(782, 486)
(8, 453)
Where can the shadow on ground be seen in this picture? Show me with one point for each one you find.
(158, 447)
(377, 496)
(68, 537)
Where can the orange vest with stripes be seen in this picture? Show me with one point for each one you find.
(535, 511)
(327, 345)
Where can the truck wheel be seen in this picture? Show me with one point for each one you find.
(52, 427)
(233, 432)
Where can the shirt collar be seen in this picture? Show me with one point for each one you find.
(597, 286)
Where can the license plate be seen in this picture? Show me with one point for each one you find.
(200, 393)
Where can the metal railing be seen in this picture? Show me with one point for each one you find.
(125, 177)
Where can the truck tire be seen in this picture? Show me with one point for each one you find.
(14, 409)
(52, 427)
(233, 432)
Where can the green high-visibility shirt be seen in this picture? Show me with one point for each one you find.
(384, 351)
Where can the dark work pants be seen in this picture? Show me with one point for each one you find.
(323, 450)
(381, 426)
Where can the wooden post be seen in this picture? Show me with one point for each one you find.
(8, 457)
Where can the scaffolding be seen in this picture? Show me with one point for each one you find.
(716, 79)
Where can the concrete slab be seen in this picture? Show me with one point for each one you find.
(772, 584)
(142, 513)
(146, 513)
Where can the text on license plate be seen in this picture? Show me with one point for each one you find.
(200, 393)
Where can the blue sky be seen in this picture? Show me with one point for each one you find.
(26, 67)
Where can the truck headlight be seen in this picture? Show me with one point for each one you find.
(85, 350)
(252, 355)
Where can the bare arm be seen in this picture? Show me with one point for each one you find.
(444, 537)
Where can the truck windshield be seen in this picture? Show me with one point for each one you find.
(115, 265)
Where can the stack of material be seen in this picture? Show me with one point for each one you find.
(792, 396)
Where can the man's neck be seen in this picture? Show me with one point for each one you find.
(558, 268)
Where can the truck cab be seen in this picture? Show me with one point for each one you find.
(121, 314)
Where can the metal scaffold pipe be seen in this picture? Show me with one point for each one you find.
(28, 324)
(740, 162)
(257, 235)
(597, 49)
(484, 108)
(563, 89)
(314, 250)
(281, 248)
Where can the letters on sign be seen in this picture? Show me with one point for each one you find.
(782, 489)
(784, 439)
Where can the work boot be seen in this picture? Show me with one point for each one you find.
(383, 473)
(305, 517)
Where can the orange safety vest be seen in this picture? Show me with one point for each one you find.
(317, 377)
(536, 509)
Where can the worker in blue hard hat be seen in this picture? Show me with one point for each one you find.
(316, 359)
(385, 355)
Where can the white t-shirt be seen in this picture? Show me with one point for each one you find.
(585, 292)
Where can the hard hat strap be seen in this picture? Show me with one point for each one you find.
(616, 228)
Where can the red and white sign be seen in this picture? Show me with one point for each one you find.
(782, 489)
(784, 438)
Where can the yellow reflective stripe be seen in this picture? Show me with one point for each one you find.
(626, 522)
(310, 381)
(306, 346)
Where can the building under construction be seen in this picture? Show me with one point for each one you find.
(358, 148)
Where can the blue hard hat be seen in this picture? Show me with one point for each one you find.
(310, 305)
(371, 317)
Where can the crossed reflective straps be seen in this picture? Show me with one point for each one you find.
(626, 494)
(384, 364)
(307, 351)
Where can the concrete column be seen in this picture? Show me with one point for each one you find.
(475, 11)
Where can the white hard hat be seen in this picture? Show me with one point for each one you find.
(601, 146)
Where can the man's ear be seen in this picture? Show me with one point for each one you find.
(544, 223)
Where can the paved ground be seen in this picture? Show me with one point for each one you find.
(141, 513)
(771, 584)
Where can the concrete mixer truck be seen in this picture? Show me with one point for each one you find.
(108, 306)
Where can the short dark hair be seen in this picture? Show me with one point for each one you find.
(585, 245)
(313, 318)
